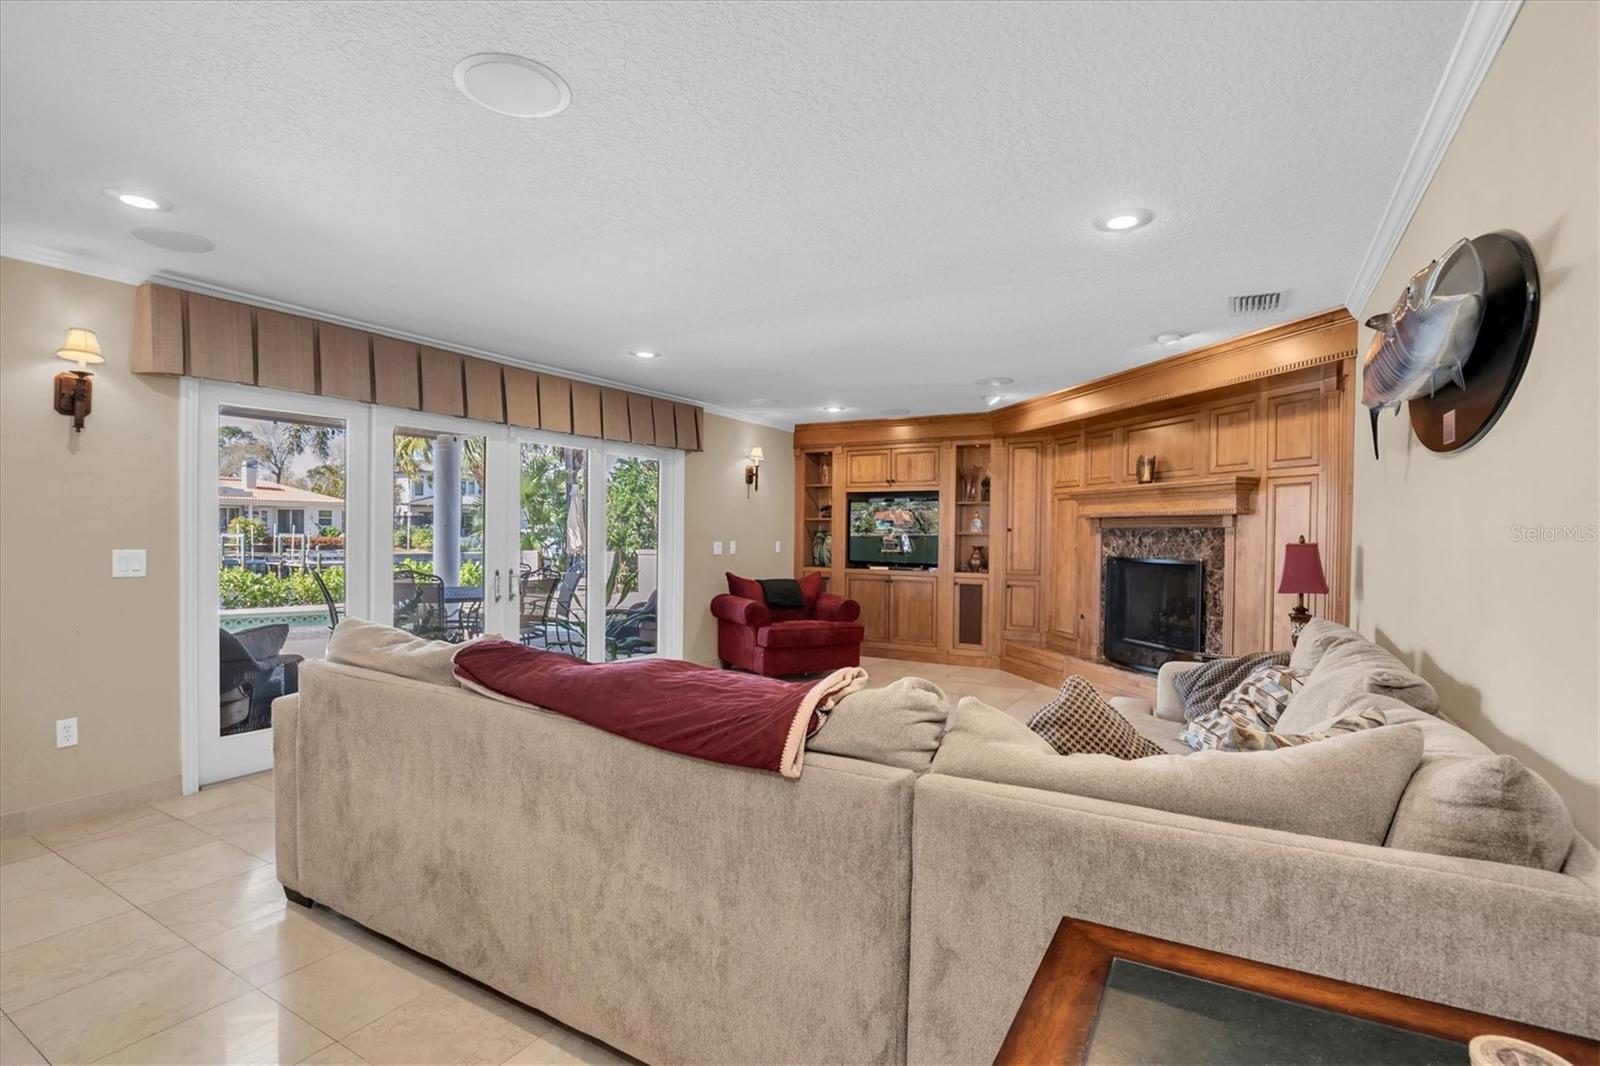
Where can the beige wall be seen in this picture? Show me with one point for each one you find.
(73, 641)
(1506, 627)
(715, 508)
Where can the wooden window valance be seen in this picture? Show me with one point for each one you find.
(190, 334)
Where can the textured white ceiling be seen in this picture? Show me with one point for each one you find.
(864, 203)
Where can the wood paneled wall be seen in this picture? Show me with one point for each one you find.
(1254, 435)
(185, 333)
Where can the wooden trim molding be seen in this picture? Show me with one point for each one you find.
(192, 334)
(1322, 338)
(1202, 496)
(1056, 1019)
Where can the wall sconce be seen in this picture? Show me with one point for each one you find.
(74, 391)
(752, 471)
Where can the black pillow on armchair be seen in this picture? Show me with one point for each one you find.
(783, 593)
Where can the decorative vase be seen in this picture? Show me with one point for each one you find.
(984, 492)
(975, 562)
(977, 523)
(827, 549)
(1145, 469)
(817, 539)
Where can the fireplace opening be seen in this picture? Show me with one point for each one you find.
(1154, 611)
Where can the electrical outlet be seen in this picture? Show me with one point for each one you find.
(733, 547)
(66, 732)
(716, 547)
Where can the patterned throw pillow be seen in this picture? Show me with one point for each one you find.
(1243, 736)
(1259, 700)
(1204, 687)
(1078, 721)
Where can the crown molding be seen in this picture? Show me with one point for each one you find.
(1488, 23)
(77, 264)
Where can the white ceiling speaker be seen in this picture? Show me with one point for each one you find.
(173, 240)
(512, 85)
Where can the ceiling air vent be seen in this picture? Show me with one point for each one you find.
(1256, 303)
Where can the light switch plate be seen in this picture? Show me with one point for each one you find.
(716, 547)
(733, 547)
(127, 562)
(777, 547)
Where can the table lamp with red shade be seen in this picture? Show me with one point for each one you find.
(1302, 576)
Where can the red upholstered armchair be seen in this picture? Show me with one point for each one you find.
(773, 641)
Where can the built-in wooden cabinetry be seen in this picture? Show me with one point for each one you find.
(1253, 436)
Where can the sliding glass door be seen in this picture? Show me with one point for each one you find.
(439, 475)
(633, 555)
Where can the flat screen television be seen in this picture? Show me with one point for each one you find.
(894, 529)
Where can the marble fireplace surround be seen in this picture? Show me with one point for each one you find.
(1205, 544)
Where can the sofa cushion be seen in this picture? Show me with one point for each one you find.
(1345, 788)
(1348, 671)
(1078, 720)
(1319, 637)
(1204, 687)
(1487, 807)
(388, 650)
(810, 588)
(896, 725)
(804, 633)
(1439, 737)
(1163, 733)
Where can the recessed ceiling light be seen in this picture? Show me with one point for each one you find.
(512, 85)
(762, 401)
(1170, 338)
(143, 201)
(993, 383)
(173, 240)
(1132, 218)
(835, 409)
(993, 401)
(647, 355)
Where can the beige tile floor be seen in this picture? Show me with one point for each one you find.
(161, 935)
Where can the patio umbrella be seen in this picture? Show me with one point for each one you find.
(576, 520)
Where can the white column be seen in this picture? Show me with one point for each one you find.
(447, 508)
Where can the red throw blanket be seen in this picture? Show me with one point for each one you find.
(719, 715)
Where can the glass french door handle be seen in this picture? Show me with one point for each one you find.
(497, 586)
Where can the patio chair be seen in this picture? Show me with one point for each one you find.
(327, 598)
(419, 606)
(632, 631)
(253, 673)
(550, 617)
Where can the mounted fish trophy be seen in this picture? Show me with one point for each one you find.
(1456, 342)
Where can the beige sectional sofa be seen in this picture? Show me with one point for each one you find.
(868, 912)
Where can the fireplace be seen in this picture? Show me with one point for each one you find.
(1154, 610)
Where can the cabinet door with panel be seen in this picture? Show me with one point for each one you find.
(1022, 506)
(1064, 566)
(915, 467)
(868, 468)
(1022, 607)
(871, 591)
(913, 617)
(969, 629)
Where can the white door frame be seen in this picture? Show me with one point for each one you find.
(199, 556)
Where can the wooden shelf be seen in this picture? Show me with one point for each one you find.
(819, 484)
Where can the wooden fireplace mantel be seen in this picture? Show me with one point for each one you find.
(1230, 495)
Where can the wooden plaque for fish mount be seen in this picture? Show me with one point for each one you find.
(1455, 417)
